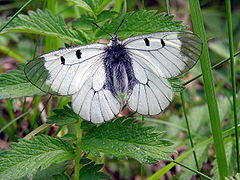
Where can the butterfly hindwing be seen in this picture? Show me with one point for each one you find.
(151, 95)
(63, 72)
(94, 102)
(168, 54)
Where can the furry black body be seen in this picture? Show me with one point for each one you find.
(118, 66)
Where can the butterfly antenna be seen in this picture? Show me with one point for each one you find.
(119, 26)
(101, 28)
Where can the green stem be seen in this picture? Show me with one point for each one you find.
(198, 25)
(10, 20)
(78, 150)
(168, 7)
(233, 75)
(193, 170)
(189, 130)
(213, 67)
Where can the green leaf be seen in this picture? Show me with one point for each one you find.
(26, 157)
(91, 172)
(61, 177)
(52, 170)
(14, 84)
(63, 117)
(125, 139)
(44, 22)
(91, 6)
(141, 22)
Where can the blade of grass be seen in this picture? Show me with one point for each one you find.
(13, 121)
(197, 21)
(233, 76)
(10, 20)
(166, 168)
(213, 67)
(191, 169)
(189, 130)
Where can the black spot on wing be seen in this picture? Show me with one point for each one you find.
(147, 42)
(62, 60)
(163, 43)
(78, 54)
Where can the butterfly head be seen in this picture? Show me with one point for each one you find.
(114, 40)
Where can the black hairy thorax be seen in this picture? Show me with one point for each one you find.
(120, 77)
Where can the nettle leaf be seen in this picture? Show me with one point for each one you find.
(142, 22)
(125, 139)
(48, 173)
(85, 21)
(61, 177)
(92, 172)
(63, 117)
(91, 6)
(26, 157)
(44, 22)
(14, 84)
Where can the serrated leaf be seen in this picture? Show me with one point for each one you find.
(125, 139)
(92, 172)
(44, 22)
(61, 177)
(142, 22)
(88, 5)
(63, 117)
(14, 84)
(49, 172)
(27, 156)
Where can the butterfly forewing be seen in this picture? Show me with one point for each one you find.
(63, 72)
(168, 54)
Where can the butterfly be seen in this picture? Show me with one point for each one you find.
(103, 78)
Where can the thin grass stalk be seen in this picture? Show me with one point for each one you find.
(233, 76)
(188, 128)
(197, 21)
(15, 15)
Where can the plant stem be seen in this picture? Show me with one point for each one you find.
(213, 67)
(189, 130)
(10, 20)
(197, 172)
(198, 25)
(233, 75)
(168, 7)
(78, 150)
(37, 130)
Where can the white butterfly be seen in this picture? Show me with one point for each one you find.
(102, 78)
